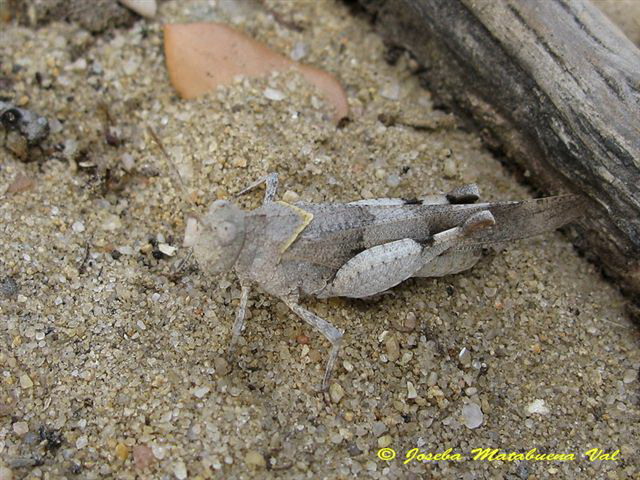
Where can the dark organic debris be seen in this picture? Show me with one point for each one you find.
(23, 129)
(53, 438)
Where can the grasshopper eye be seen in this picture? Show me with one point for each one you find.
(226, 232)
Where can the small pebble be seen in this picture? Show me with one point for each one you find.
(128, 163)
(6, 473)
(201, 392)
(111, 223)
(78, 227)
(130, 67)
(122, 451)
(393, 181)
(190, 232)
(82, 442)
(273, 94)
(77, 66)
(391, 91)
(411, 391)
(393, 348)
(125, 250)
(378, 428)
(255, 459)
(221, 366)
(385, 441)
(450, 168)
(239, 162)
(180, 470)
(336, 392)
(145, 8)
(630, 375)
(537, 406)
(142, 456)
(168, 250)
(25, 381)
(464, 356)
(299, 51)
(20, 428)
(472, 415)
(290, 196)
(158, 451)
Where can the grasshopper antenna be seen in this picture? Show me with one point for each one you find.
(179, 184)
(175, 174)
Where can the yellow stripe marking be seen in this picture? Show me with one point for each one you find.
(305, 218)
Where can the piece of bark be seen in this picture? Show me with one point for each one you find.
(201, 56)
(557, 87)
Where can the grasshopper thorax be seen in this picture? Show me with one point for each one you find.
(220, 237)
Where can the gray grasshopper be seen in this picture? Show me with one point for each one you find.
(362, 248)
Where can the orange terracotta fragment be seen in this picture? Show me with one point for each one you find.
(201, 56)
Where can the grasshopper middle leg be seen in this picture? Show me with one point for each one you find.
(236, 331)
(329, 331)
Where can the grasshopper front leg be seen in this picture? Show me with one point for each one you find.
(329, 331)
(271, 180)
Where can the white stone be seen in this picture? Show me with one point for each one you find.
(464, 356)
(190, 232)
(78, 226)
(200, 392)
(125, 250)
(180, 470)
(127, 161)
(537, 406)
(82, 442)
(629, 375)
(20, 428)
(472, 415)
(145, 8)
(111, 223)
(78, 66)
(273, 94)
(25, 381)
(167, 249)
(391, 91)
(158, 451)
(130, 67)
(299, 51)
(411, 391)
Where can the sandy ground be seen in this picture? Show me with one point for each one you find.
(113, 366)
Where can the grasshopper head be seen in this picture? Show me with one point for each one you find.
(220, 237)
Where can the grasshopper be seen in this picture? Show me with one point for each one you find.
(359, 249)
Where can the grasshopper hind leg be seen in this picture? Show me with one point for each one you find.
(330, 332)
